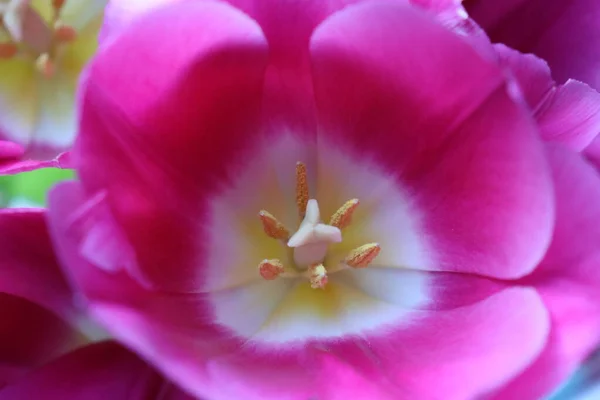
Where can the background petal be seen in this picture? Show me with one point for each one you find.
(100, 371)
(564, 33)
(28, 266)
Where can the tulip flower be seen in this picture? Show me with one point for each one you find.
(44, 45)
(322, 200)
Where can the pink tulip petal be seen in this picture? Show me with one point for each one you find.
(118, 14)
(564, 33)
(29, 336)
(571, 116)
(96, 372)
(28, 266)
(567, 280)
(17, 166)
(568, 113)
(9, 150)
(164, 136)
(178, 333)
(488, 341)
(452, 136)
(531, 73)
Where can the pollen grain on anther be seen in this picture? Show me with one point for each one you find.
(301, 188)
(363, 256)
(272, 227)
(343, 216)
(318, 276)
(8, 50)
(270, 269)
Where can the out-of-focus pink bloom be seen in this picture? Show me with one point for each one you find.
(280, 202)
(34, 294)
(48, 349)
(44, 45)
(565, 33)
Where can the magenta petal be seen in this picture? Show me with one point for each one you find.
(568, 114)
(469, 155)
(489, 342)
(96, 372)
(118, 14)
(176, 114)
(564, 33)
(340, 381)
(10, 150)
(17, 166)
(571, 115)
(531, 73)
(29, 336)
(568, 280)
(140, 318)
(28, 265)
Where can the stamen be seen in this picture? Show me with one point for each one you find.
(343, 216)
(272, 227)
(318, 276)
(362, 256)
(8, 50)
(58, 4)
(45, 65)
(301, 188)
(270, 269)
(64, 33)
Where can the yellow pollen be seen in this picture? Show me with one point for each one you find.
(45, 65)
(318, 276)
(362, 256)
(64, 33)
(272, 227)
(8, 50)
(270, 269)
(301, 188)
(343, 216)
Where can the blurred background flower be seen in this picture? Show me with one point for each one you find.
(44, 45)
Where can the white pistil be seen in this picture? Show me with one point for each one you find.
(312, 239)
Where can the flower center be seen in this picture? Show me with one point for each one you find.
(309, 244)
(30, 36)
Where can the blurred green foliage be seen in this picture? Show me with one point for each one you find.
(30, 188)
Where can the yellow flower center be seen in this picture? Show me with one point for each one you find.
(26, 34)
(309, 244)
